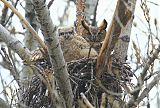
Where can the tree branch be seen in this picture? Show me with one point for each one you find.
(120, 18)
(84, 102)
(56, 54)
(121, 47)
(144, 93)
(15, 44)
(142, 76)
(3, 104)
(27, 25)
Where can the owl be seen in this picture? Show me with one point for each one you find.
(74, 47)
(94, 34)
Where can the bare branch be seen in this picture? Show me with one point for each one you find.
(84, 103)
(56, 54)
(27, 25)
(120, 18)
(149, 62)
(12, 13)
(14, 44)
(4, 15)
(143, 75)
(50, 3)
(103, 100)
(4, 92)
(146, 91)
(8, 62)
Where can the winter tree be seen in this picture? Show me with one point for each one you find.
(73, 60)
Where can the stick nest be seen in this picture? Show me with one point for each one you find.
(83, 80)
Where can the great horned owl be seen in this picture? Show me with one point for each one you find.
(66, 32)
(94, 34)
(74, 47)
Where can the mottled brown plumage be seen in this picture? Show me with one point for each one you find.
(74, 47)
(94, 35)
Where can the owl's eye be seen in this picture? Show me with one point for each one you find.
(60, 34)
(69, 32)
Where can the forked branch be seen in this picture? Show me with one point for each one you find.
(120, 18)
(27, 25)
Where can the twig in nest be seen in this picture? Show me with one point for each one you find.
(92, 75)
(103, 101)
(108, 91)
(84, 103)
(48, 83)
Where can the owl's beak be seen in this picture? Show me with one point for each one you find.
(93, 38)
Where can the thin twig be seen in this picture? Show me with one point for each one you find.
(84, 103)
(13, 63)
(141, 78)
(4, 89)
(27, 25)
(12, 13)
(103, 101)
(50, 3)
(147, 90)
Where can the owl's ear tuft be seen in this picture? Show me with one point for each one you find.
(85, 25)
(103, 25)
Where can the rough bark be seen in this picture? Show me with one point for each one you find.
(15, 44)
(120, 19)
(80, 7)
(54, 48)
(117, 39)
(121, 47)
(3, 104)
(84, 10)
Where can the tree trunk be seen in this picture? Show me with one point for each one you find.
(55, 52)
(121, 47)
